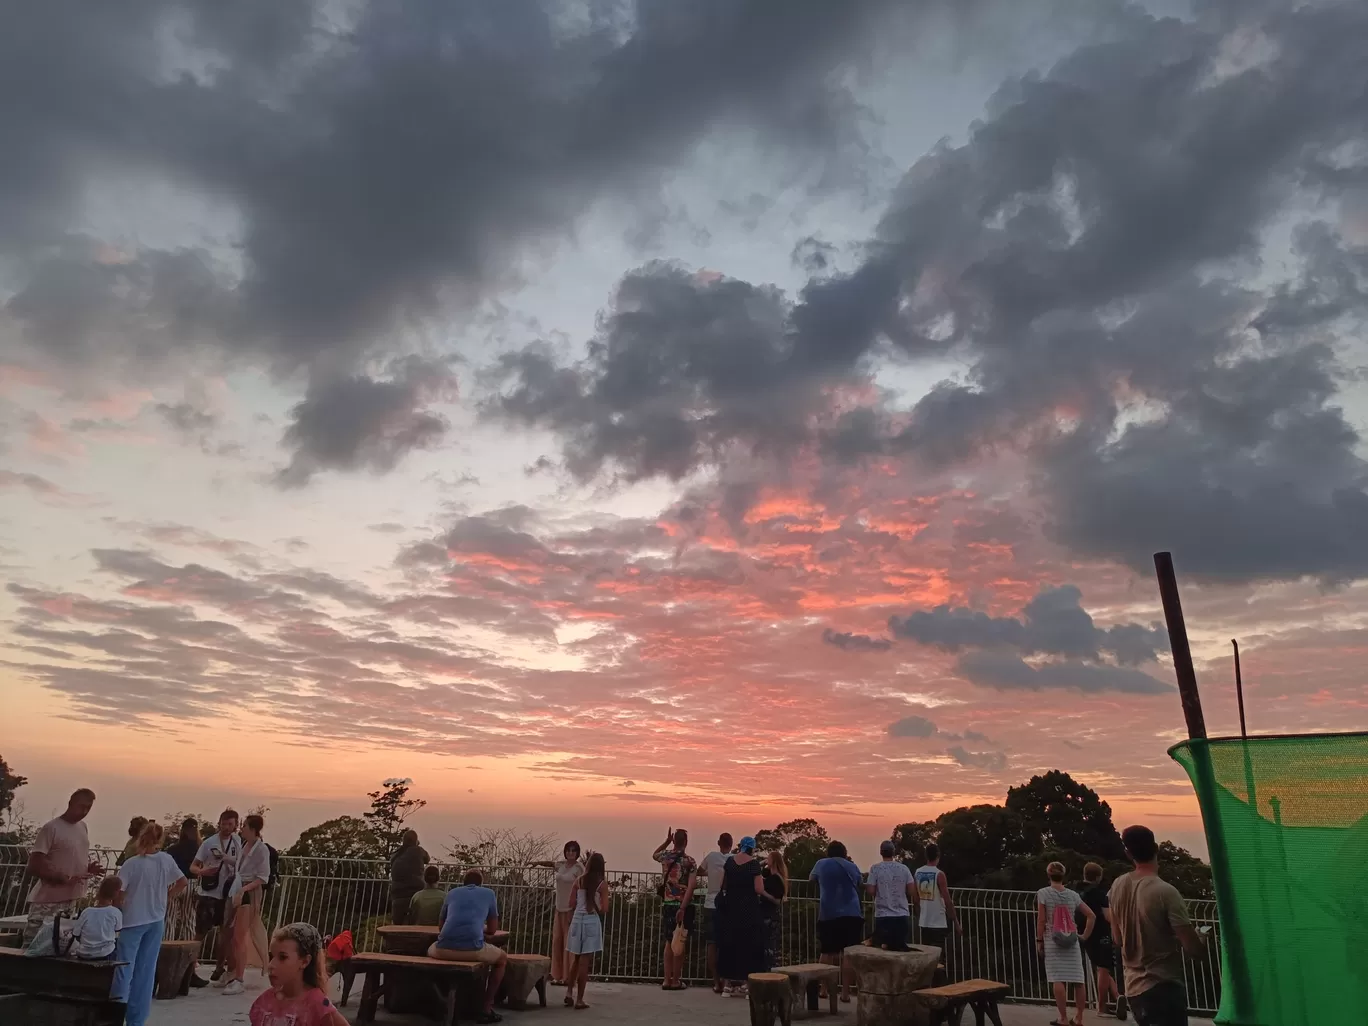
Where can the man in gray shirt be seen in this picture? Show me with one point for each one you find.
(1150, 926)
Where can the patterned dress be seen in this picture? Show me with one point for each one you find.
(1062, 964)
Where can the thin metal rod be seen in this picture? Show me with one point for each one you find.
(1239, 686)
(1178, 642)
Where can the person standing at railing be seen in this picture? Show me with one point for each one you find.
(933, 906)
(150, 880)
(135, 826)
(840, 918)
(214, 866)
(246, 895)
(712, 869)
(891, 886)
(1150, 924)
(741, 922)
(406, 876)
(426, 907)
(585, 937)
(676, 898)
(60, 863)
(1060, 944)
(776, 877)
(1099, 947)
(568, 871)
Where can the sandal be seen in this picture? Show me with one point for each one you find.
(581, 1006)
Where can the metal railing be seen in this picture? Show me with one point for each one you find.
(335, 894)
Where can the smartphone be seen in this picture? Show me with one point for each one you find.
(1204, 930)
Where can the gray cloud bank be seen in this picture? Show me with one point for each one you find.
(1094, 251)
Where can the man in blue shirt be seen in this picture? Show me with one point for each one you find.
(840, 919)
(469, 915)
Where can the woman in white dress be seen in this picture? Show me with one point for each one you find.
(1058, 942)
(568, 870)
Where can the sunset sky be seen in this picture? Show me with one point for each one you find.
(616, 415)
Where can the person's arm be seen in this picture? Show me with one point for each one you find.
(605, 895)
(688, 896)
(492, 922)
(1091, 918)
(871, 889)
(1193, 942)
(951, 914)
(669, 840)
(1040, 926)
(40, 866)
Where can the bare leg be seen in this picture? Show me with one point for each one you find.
(847, 977)
(827, 960)
(1081, 1000)
(669, 964)
(712, 966)
(496, 975)
(1061, 996)
(570, 974)
(583, 981)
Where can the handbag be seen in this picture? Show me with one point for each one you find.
(681, 935)
(54, 937)
(210, 881)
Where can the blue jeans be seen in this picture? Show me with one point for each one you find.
(139, 946)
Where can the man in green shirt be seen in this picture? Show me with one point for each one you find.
(426, 906)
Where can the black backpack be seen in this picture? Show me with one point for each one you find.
(275, 866)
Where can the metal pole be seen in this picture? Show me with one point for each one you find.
(1178, 641)
(1239, 686)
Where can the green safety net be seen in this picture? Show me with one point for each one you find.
(1286, 823)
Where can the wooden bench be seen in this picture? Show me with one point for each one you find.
(522, 974)
(946, 1004)
(806, 982)
(458, 977)
(57, 991)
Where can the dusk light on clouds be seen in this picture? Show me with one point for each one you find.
(662, 412)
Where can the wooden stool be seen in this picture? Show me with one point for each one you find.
(771, 999)
(522, 973)
(946, 1004)
(175, 962)
(806, 982)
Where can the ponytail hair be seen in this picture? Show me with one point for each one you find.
(150, 838)
(310, 944)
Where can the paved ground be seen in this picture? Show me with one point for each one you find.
(614, 1003)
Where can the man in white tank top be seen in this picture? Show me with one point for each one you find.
(932, 905)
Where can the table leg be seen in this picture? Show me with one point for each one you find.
(541, 991)
(990, 1006)
(370, 998)
(451, 1001)
(833, 990)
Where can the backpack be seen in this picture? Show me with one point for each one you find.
(274, 878)
(1062, 927)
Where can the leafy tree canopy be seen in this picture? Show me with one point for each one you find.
(390, 808)
(1069, 815)
(346, 837)
(803, 842)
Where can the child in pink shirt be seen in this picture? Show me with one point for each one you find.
(299, 981)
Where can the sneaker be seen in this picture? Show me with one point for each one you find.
(217, 975)
(234, 987)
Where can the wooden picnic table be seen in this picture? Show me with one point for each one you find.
(408, 991)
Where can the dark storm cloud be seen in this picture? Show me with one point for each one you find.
(1005, 671)
(381, 166)
(855, 642)
(1085, 250)
(361, 423)
(911, 726)
(1054, 622)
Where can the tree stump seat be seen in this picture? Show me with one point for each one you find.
(946, 1004)
(175, 962)
(771, 999)
(806, 980)
(886, 981)
(522, 973)
(456, 986)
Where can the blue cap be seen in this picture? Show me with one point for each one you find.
(747, 844)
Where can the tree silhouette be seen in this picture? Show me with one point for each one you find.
(1069, 815)
(390, 808)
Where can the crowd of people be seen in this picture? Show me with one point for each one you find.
(1138, 928)
(128, 920)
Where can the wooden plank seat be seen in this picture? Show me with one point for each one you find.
(521, 974)
(806, 980)
(946, 1004)
(451, 981)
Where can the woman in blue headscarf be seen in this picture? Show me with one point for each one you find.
(741, 948)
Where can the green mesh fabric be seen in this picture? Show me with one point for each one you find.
(1286, 823)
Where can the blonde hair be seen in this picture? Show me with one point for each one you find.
(310, 944)
(775, 860)
(150, 838)
(1055, 871)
